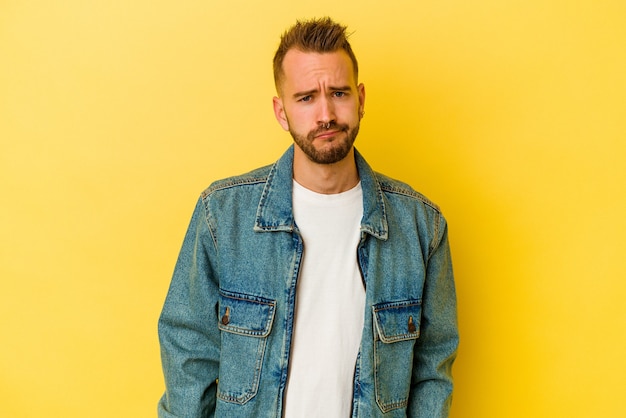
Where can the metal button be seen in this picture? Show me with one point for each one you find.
(226, 317)
(412, 327)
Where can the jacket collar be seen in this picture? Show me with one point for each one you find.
(275, 210)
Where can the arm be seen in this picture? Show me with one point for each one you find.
(188, 333)
(435, 351)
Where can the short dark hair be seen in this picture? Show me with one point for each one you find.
(314, 35)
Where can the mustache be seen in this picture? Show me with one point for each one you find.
(332, 126)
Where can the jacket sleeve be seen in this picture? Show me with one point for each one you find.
(435, 351)
(188, 332)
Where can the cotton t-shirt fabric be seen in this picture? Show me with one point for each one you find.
(330, 303)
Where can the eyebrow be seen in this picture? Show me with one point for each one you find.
(309, 92)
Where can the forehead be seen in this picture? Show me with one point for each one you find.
(302, 68)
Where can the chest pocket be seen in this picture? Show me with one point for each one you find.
(245, 322)
(396, 328)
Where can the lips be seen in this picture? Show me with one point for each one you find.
(327, 134)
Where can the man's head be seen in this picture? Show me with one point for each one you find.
(315, 35)
(319, 101)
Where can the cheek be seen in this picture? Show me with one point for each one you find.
(349, 113)
(298, 118)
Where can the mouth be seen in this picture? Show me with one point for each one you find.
(327, 134)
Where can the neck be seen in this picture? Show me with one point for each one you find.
(325, 178)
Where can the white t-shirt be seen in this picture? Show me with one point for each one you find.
(330, 303)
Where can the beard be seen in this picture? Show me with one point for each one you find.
(338, 148)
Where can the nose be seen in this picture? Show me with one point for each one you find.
(326, 112)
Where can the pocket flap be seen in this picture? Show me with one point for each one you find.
(245, 314)
(398, 321)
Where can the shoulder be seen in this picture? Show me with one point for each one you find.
(405, 204)
(254, 177)
(396, 188)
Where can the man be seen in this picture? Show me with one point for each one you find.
(314, 287)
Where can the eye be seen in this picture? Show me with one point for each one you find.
(339, 94)
(305, 99)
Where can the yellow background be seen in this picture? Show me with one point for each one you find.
(509, 114)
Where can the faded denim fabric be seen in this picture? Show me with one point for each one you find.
(227, 322)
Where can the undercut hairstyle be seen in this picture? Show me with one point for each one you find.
(321, 35)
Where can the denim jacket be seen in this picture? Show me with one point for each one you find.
(227, 322)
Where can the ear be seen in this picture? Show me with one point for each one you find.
(279, 112)
(361, 91)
